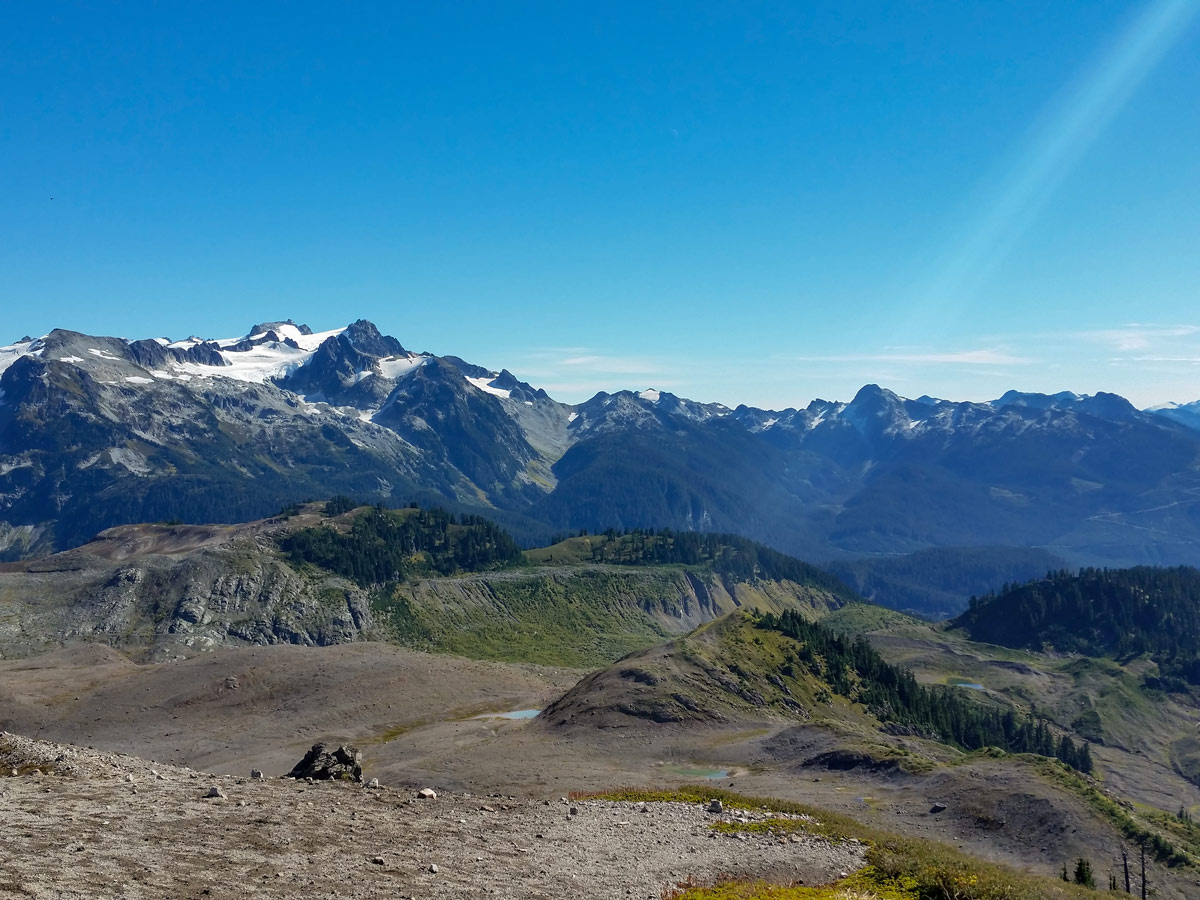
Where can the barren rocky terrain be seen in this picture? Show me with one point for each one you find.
(427, 720)
(86, 824)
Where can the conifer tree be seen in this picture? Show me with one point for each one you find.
(1083, 873)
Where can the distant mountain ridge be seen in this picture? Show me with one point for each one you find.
(99, 431)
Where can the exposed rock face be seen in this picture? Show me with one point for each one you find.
(320, 764)
(158, 592)
(222, 593)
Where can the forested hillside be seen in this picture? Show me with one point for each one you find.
(389, 545)
(1100, 612)
(854, 669)
(729, 555)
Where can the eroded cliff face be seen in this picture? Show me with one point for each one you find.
(161, 606)
(159, 592)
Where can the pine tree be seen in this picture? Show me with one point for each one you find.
(1085, 759)
(1083, 873)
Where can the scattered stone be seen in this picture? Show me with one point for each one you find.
(378, 860)
(937, 808)
(320, 764)
(574, 811)
(433, 868)
(129, 777)
(486, 808)
(256, 775)
(215, 793)
(427, 794)
(373, 783)
(716, 806)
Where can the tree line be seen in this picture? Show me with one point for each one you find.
(1120, 613)
(384, 545)
(739, 558)
(854, 669)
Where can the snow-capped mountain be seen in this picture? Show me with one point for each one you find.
(1184, 413)
(96, 431)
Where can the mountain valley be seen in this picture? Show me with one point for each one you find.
(220, 552)
(97, 432)
(654, 658)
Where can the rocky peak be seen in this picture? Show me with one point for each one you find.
(263, 327)
(366, 338)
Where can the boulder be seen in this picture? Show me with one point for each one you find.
(321, 764)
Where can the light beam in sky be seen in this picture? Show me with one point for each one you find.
(1053, 147)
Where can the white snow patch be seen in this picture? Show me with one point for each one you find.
(256, 365)
(572, 417)
(485, 385)
(529, 403)
(769, 423)
(103, 354)
(273, 359)
(138, 379)
(306, 342)
(399, 366)
(70, 359)
(650, 394)
(13, 352)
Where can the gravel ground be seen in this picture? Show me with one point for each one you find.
(108, 826)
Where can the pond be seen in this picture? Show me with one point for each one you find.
(691, 771)
(511, 714)
(963, 683)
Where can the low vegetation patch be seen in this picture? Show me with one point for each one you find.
(865, 884)
(899, 867)
(1137, 833)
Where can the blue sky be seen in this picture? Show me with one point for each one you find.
(743, 202)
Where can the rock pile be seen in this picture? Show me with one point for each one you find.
(320, 764)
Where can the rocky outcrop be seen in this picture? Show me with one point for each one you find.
(160, 606)
(321, 764)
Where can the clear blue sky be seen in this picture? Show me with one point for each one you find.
(743, 202)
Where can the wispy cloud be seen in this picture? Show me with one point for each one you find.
(617, 365)
(1136, 336)
(979, 357)
(578, 364)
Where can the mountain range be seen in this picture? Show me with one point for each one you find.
(101, 431)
